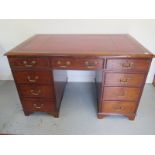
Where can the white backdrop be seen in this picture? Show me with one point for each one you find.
(13, 32)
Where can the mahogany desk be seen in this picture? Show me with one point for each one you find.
(39, 69)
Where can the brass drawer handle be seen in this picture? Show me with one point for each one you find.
(68, 63)
(124, 80)
(90, 67)
(58, 62)
(90, 64)
(38, 107)
(35, 92)
(29, 65)
(118, 108)
(64, 66)
(128, 65)
(32, 80)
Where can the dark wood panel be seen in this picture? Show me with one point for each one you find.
(128, 64)
(124, 79)
(33, 77)
(41, 105)
(75, 63)
(121, 93)
(28, 62)
(37, 91)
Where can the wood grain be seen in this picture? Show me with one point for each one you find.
(32, 77)
(128, 64)
(76, 63)
(124, 79)
(27, 62)
(95, 45)
(37, 91)
(119, 107)
(41, 105)
(121, 93)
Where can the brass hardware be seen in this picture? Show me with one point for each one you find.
(63, 66)
(90, 64)
(34, 92)
(128, 65)
(90, 67)
(124, 80)
(58, 62)
(68, 63)
(38, 107)
(32, 80)
(29, 65)
(118, 108)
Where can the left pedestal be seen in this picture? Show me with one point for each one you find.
(37, 88)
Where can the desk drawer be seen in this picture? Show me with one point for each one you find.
(128, 64)
(73, 63)
(36, 91)
(124, 79)
(90, 64)
(29, 62)
(30, 77)
(63, 63)
(119, 107)
(41, 105)
(121, 93)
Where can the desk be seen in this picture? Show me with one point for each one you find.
(39, 69)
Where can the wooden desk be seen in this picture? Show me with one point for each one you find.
(39, 69)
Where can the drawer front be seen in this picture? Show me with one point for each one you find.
(63, 63)
(90, 64)
(39, 105)
(29, 62)
(30, 77)
(128, 64)
(119, 107)
(121, 93)
(123, 79)
(73, 63)
(37, 91)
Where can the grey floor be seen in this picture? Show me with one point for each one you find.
(77, 114)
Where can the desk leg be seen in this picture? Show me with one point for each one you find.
(100, 116)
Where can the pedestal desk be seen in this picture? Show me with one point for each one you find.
(40, 63)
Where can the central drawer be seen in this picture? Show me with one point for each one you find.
(121, 93)
(36, 91)
(73, 63)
